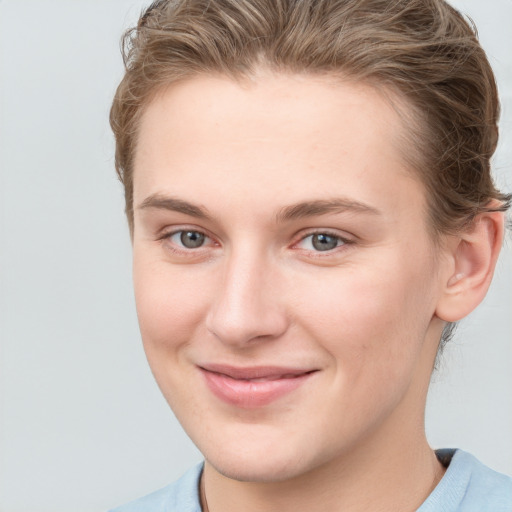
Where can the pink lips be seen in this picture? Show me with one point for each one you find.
(255, 386)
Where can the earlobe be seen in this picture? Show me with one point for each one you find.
(473, 256)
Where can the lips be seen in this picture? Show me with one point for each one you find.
(250, 387)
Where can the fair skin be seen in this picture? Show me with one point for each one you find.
(289, 293)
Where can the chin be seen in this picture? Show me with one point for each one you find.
(260, 459)
(258, 469)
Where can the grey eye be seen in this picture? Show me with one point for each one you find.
(191, 239)
(324, 242)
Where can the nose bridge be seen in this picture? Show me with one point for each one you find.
(246, 306)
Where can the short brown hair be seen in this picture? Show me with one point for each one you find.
(422, 51)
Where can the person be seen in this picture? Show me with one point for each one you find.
(311, 207)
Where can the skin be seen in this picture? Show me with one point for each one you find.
(230, 160)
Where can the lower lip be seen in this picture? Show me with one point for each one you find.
(250, 393)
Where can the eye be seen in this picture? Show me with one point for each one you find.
(321, 242)
(188, 239)
(188, 244)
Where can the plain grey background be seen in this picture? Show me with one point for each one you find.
(82, 424)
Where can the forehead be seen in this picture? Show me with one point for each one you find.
(207, 107)
(273, 136)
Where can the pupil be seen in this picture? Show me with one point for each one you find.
(323, 242)
(192, 239)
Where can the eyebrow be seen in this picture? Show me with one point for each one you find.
(292, 212)
(323, 207)
(174, 204)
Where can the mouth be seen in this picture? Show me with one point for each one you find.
(251, 387)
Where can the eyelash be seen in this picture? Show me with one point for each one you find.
(342, 242)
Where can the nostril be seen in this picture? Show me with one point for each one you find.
(243, 326)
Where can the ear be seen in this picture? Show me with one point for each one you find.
(472, 257)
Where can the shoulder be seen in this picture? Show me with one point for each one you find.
(180, 496)
(469, 486)
(491, 488)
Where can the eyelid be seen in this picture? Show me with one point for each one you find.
(168, 231)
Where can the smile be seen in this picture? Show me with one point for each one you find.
(253, 387)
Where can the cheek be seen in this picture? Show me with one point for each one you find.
(170, 304)
(372, 319)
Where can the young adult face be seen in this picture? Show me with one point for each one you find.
(285, 279)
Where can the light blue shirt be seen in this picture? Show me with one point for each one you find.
(467, 486)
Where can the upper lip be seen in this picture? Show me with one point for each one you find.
(256, 372)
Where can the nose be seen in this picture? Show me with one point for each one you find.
(247, 306)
